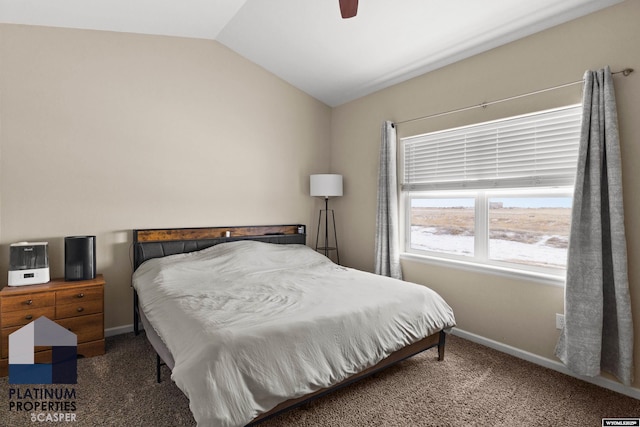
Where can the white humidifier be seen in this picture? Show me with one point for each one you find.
(29, 263)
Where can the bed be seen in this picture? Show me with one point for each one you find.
(252, 322)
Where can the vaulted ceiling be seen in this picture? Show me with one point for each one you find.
(308, 44)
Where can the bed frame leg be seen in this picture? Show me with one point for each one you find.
(441, 342)
(158, 365)
(136, 315)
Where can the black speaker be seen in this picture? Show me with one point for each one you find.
(79, 257)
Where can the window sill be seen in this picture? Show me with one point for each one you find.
(542, 278)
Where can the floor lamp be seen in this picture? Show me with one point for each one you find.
(326, 185)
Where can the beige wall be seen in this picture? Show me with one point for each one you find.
(518, 313)
(102, 133)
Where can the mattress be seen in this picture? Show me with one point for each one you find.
(250, 325)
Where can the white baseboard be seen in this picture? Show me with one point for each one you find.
(547, 363)
(119, 330)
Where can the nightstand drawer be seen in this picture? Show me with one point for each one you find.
(26, 302)
(4, 344)
(17, 318)
(87, 328)
(78, 308)
(73, 296)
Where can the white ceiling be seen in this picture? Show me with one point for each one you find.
(308, 44)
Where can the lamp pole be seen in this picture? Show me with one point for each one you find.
(326, 226)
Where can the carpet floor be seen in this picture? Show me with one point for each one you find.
(473, 386)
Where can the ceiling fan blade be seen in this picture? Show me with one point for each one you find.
(348, 8)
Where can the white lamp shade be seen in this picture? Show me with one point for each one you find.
(326, 185)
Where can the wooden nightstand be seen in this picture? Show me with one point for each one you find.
(77, 305)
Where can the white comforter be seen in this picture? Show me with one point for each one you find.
(253, 324)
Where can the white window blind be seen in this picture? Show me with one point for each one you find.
(534, 150)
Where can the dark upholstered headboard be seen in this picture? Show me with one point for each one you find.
(160, 242)
(156, 243)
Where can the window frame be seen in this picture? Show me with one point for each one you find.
(481, 257)
(480, 261)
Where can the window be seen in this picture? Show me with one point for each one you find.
(444, 225)
(497, 194)
(532, 231)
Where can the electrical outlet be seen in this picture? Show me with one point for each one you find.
(559, 321)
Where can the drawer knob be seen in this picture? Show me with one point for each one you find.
(80, 295)
(28, 317)
(80, 309)
(29, 302)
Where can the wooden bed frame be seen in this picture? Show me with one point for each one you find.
(155, 243)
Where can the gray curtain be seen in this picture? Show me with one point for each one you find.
(387, 262)
(598, 332)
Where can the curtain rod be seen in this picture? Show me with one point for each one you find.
(624, 72)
